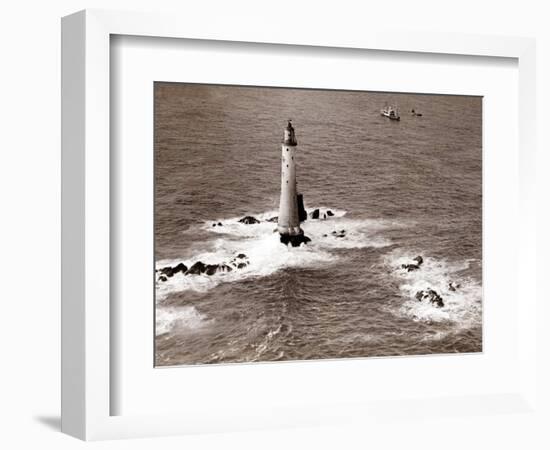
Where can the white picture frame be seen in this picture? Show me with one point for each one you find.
(86, 221)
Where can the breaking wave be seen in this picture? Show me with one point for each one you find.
(462, 306)
(266, 255)
(187, 317)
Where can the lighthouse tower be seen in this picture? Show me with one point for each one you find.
(288, 223)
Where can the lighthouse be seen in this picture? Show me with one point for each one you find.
(291, 210)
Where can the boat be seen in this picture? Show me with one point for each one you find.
(391, 113)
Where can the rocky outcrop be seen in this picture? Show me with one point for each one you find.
(419, 260)
(411, 267)
(196, 269)
(240, 261)
(431, 296)
(453, 286)
(169, 272)
(180, 268)
(337, 234)
(199, 268)
(212, 269)
(295, 241)
(249, 220)
(320, 214)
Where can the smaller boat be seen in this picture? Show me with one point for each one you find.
(391, 113)
(414, 113)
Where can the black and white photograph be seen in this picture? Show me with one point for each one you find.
(275, 225)
(304, 224)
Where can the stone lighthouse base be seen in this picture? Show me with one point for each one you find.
(296, 240)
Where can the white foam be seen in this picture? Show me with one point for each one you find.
(265, 344)
(462, 307)
(358, 233)
(168, 318)
(233, 227)
(266, 255)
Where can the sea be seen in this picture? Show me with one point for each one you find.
(398, 190)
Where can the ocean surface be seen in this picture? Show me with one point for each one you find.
(399, 189)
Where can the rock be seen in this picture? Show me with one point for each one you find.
(273, 219)
(212, 269)
(339, 234)
(167, 271)
(431, 296)
(321, 214)
(180, 268)
(325, 235)
(240, 261)
(162, 278)
(453, 286)
(249, 220)
(410, 267)
(197, 268)
(436, 299)
(219, 224)
(213, 224)
(295, 241)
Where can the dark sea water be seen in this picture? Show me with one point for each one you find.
(399, 189)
